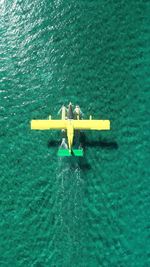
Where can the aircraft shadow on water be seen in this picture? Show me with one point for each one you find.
(85, 143)
(101, 143)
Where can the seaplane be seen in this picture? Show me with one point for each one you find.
(71, 123)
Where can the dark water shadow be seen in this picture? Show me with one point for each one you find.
(102, 143)
(53, 143)
(89, 143)
(83, 164)
(85, 143)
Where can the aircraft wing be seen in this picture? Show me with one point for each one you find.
(91, 124)
(48, 124)
(77, 124)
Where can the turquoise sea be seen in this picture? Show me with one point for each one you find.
(71, 212)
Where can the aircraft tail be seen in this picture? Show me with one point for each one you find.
(68, 153)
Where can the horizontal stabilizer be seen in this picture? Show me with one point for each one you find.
(66, 153)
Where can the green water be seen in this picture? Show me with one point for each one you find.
(62, 212)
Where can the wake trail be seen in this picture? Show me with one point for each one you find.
(68, 208)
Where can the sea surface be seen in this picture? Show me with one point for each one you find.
(71, 212)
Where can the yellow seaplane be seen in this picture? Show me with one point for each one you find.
(71, 122)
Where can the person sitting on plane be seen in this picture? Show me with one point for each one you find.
(77, 112)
